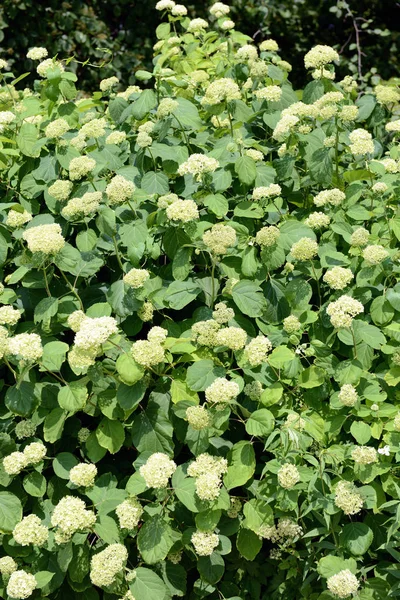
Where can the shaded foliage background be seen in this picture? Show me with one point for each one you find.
(126, 28)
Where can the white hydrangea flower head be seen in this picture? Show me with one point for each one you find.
(222, 391)
(338, 277)
(205, 332)
(197, 26)
(380, 187)
(81, 166)
(256, 155)
(105, 566)
(334, 197)
(208, 486)
(146, 312)
(343, 310)
(47, 239)
(76, 319)
(182, 211)
(295, 421)
(204, 542)
(374, 254)
(317, 220)
(387, 94)
(257, 350)
(148, 353)
(285, 126)
(319, 56)
(30, 531)
(348, 84)
(364, 455)
(291, 324)
(222, 313)
(227, 25)
(61, 189)
(47, 65)
(57, 128)
(25, 429)
(288, 476)
(347, 498)
(343, 584)
(271, 93)
(116, 137)
(21, 584)
(197, 165)
(27, 346)
(253, 390)
(198, 417)
(3, 64)
(83, 475)
(94, 129)
(9, 315)
(35, 452)
(206, 463)
(219, 9)
(7, 566)
(70, 515)
(143, 140)
(267, 236)
(348, 113)
(14, 463)
(85, 206)
(179, 10)
(304, 249)
(157, 335)
(119, 190)
(136, 278)
(219, 238)
(107, 84)
(348, 395)
(233, 338)
(95, 331)
(6, 118)
(269, 191)
(361, 142)
(166, 107)
(16, 218)
(157, 470)
(165, 5)
(359, 237)
(247, 53)
(129, 513)
(37, 53)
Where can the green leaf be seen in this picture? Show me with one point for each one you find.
(63, 463)
(129, 370)
(105, 495)
(260, 423)
(107, 529)
(54, 425)
(321, 167)
(27, 140)
(72, 397)
(211, 568)
(201, 374)
(331, 565)
(257, 514)
(249, 210)
(311, 377)
(43, 578)
(361, 432)
(181, 293)
(155, 183)
(181, 264)
(110, 435)
(151, 429)
(144, 104)
(242, 464)
(147, 585)
(280, 357)
(217, 204)
(44, 310)
(248, 543)
(54, 354)
(175, 578)
(21, 400)
(154, 540)
(245, 167)
(35, 484)
(248, 297)
(356, 538)
(10, 512)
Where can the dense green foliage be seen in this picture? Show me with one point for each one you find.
(199, 328)
(126, 29)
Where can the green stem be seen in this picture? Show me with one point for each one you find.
(354, 342)
(212, 283)
(72, 288)
(10, 367)
(184, 134)
(46, 283)
(117, 254)
(318, 286)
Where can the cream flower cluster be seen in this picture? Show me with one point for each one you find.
(222, 313)
(116, 137)
(338, 277)
(9, 315)
(198, 417)
(348, 395)
(61, 189)
(83, 474)
(285, 126)
(16, 218)
(219, 9)
(347, 498)
(317, 220)
(257, 350)
(91, 333)
(343, 584)
(197, 26)
(374, 254)
(284, 532)
(37, 53)
(129, 513)
(205, 332)
(233, 338)
(361, 142)
(21, 584)
(291, 324)
(247, 53)
(208, 471)
(81, 166)
(87, 205)
(157, 470)
(94, 128)
(25, 429)
(219, 238)
(47, 65)
(182, 211)
(256, 155)
(166, 107)
(334, 197)
(319, 56)
(204, 542)
(267, 236)
(136, 278)
(26, 346)
(253, 390)
(30, 531)
(222, 391)
(6, 117)
(197, 165)
(343, 310)
(47, 239)
(267, 191)
(288, 476)
(359, 237)
(387, 94)
(271, 93)
(57, 128)
(119, 190)
(364, 455)
(146, 312)
(107, 84)
(105, 566)
(295, 421)
(69, 516)
(304, 249)
(7, 566)
(150, 352)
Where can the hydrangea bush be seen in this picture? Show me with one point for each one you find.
(199, 333)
